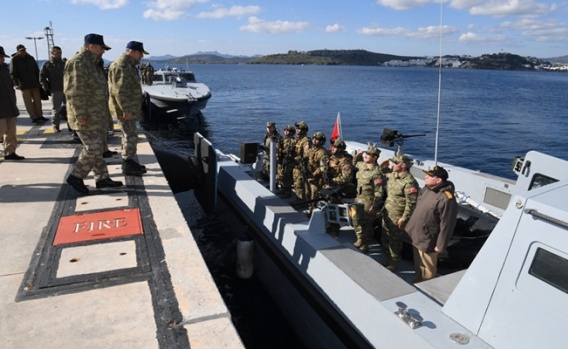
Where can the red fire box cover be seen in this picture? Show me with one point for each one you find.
(98, 226)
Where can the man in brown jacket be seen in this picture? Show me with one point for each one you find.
(432, 223)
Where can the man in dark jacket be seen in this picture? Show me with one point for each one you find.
(432, 223)
(8, 111)
(52, 82)
(25, 74)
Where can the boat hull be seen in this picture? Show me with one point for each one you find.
(161, 109)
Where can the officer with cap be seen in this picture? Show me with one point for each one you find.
(286, 154)
(271, 135)
(432, 223)
(301, 187)
(25, 74)
(370, 196)
(402, 192)
(85, 87)
(125, 103)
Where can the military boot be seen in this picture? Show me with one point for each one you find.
(392, 265)
(131, 168)
(358, 243)
(364, 248)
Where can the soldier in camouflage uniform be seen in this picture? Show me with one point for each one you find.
(402, 193)
(286, 153)
(86, 90)
(340, 174)
(271, 133)
(301, 161)
(369, 200)
(125, 103)
(318, 165)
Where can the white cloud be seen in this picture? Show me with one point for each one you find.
(473, 37)
(257, 25)
(499, 8)
(420, 33)
(405, 4)
(169, 9)
(376, 30)
(546, 31)
(233, 11)
(335, 28)
(103, 4)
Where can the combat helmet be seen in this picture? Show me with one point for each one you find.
(339, 144)
(302, 126)
(373, 150)
(290, 128)
(320, 137)
(270, 124)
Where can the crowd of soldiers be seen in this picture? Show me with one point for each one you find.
(307, 166)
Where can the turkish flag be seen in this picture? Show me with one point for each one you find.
(336, 133)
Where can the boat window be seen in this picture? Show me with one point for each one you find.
(540, 180)
(159, 78)
(188, 76)
(551, 269)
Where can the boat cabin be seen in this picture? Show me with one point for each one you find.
(170, 76)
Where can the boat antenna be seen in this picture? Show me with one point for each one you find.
(439, 83)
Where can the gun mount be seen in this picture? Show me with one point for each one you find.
(390, 137)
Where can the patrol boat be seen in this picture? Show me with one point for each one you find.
(513, 295)
(174, 94)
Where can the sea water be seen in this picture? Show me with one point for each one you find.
(487, 117)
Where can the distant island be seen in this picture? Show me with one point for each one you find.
(496, 61)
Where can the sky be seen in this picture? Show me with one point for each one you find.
(537, 28)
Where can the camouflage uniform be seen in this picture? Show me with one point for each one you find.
(402, 193)
(86, 90)
(301, 158)
(149, 74)
(318, 163)
(125, 97)
(266, 146)
(370, 191)
(286, 153)
(340, 175)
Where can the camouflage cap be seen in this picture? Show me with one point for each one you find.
(270, 124)
(401, 158)
(373, 150)
(437, 171)
(289, 128)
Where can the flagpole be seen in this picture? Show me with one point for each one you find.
(340, 128)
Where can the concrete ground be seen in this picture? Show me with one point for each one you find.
(112, 269)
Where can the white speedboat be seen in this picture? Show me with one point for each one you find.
(174, 94)
(513, 295)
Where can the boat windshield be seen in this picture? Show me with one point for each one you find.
(187, 76)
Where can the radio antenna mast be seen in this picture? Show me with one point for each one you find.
(49, 36)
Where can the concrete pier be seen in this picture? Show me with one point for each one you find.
(112, 269)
